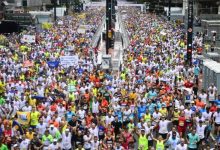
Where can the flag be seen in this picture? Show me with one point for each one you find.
(23, 117)
(53, 64)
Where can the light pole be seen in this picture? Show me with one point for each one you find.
(169, 10)
(54, 2)
(190, 32)
(108, 24)
(67, 6)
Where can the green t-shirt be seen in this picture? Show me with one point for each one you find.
(2, 101)
(193, 139)
(3, 147)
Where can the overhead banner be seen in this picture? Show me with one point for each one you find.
(69, 60)
(82, 29)
(23, 117)
(190, 32)
(82, 16)
(28, 39)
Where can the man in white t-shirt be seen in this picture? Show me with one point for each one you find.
(66, 140)
(163, 127)
(95, 143)
(156, 117)
(87, 140)
(216, 119)
(200, 130)
(24, 145)
(212, 87)
(55, 145)
(109, 118)
(81, 113)
(203, 96)
(41, 127)
(94, 130)
(182, 145)
(188, 114)
(207, 115)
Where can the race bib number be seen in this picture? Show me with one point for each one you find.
(181, 123)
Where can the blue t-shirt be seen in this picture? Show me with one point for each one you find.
(69, 115)
(119, 115)
(152, 94)
(152, 108)
(141, 111)
(196, 71)
(80, 71)
(159, 105)
(101, 131)
(217, 102)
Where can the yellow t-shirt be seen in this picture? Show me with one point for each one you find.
(29, 135)
(35, 118)
(123, 76)
(72, 97)
(147, 117)
(163, 112)
(95, 91)
(132, 95)
(123, 92)
(32, 102)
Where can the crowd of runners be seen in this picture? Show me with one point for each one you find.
(154, 102)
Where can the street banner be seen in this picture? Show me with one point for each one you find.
(69, 60)
(28, 39)
(82, 29)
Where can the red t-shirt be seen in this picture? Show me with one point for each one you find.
(182, 122)
(125, 145)
(213, 109)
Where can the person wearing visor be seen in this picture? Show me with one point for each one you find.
(142, 139)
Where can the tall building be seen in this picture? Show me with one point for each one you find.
(29, 3)
(200, 6)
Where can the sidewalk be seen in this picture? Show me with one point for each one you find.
(101, 52)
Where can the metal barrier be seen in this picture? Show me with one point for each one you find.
(96, 39)
(98, 33)
(123, 31)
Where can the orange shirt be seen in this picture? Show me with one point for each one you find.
(53, 107)
(89, 120)
(162, 92)
(55, 123)
(92, 78)
(40, 107)
(104, 103)
(200, 104)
